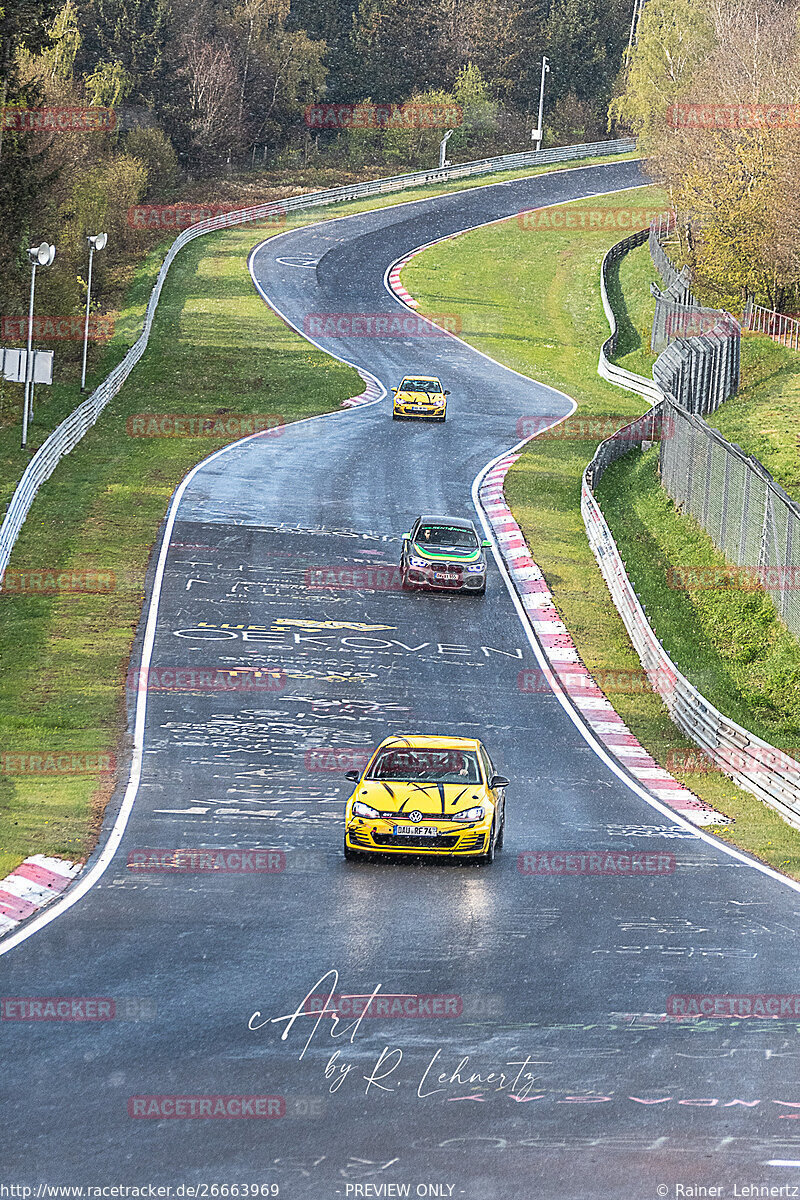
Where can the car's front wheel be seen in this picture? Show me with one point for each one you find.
(488, 857)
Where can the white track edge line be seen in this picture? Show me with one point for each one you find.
(585, 731)
(98, 868)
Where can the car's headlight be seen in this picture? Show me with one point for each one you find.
(364, 810)
(417, 562)
(470, 814)
(477, 567)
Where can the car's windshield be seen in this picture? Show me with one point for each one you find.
(429, 766)
(420, 385)
(446, 535)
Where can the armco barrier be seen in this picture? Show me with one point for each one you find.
(755, 765)
(66, 436)
(609, 370)
(752, 763)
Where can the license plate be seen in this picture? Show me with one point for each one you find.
(415, 831)
(445, 575)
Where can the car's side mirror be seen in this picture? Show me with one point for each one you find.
(498, 781)
(447, 393)
(486, 544)
(395, 390)
(406, 536)
(352, 776)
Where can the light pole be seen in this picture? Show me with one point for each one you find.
(96, 241)
(536, 134)
(443, 148)
(40, 256)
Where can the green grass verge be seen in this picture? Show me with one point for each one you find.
(629, 292)
(215, 347)
(64, 657)
(545, 319)
(729, 642)
(54, 403)
(764, 417)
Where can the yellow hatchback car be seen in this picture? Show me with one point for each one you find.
(420, 396)
(426, 795)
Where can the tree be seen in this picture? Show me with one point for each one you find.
(673, 39)
(585, 42)
(699, 77)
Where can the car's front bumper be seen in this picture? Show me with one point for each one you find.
(368, 835)
(467, 581)
(422, 411)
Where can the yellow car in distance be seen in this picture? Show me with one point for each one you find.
(426, 796)
(420, 396)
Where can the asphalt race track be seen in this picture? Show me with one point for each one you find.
(274, 564)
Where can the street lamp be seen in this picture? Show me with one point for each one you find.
(96, 241)
(40, 256)
(536, 134)
(443, 148)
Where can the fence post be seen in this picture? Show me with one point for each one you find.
(788, 577)
(723, 519)
(745, 514)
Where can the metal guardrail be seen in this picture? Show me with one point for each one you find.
(66, 436)
(768, 773)
(756, 766)
(781, 328)
(605, 367)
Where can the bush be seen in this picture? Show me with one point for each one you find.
(154, 150)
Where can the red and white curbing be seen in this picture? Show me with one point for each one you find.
(556, 641)
(397, 287)
(372, 391)
(559, 649)
(32, 886)
(396, 284)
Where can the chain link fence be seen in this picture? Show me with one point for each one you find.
(748, 516)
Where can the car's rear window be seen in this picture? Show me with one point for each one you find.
(446, 535)
(420, 385)
(426, 766)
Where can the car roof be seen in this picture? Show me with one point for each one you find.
(455, 522)
(396, 741)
